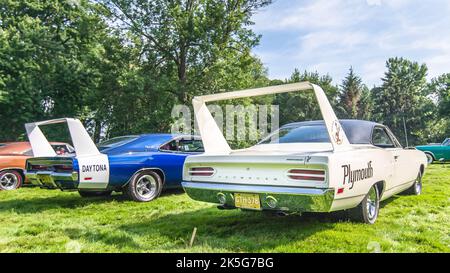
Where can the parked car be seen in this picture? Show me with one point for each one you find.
(312, 166)
(440, 151)
(13, 156)
(138, 165)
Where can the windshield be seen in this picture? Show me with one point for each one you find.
(115, 142)
(298, 134)
(446, 142)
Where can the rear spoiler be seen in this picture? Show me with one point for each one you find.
(81, 140)
(213, 139)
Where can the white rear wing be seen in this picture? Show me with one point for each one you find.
(213, 139)
(82, 142)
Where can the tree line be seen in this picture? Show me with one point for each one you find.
(121, 65)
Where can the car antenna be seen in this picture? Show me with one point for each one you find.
(406, 133)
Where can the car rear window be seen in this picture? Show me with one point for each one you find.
(317, 132)
(116, 142)
(298, 134)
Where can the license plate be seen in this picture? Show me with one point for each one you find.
(46, 179)
(247, 201)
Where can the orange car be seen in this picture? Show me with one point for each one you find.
(12, 161)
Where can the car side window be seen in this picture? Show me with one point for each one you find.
(380, 138)
(191, 146)
(184, 146)
(170, 146)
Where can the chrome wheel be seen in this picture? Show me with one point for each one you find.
(372, 203)
(146, 186)
(429, 158)
(9, 181)
(418, 184)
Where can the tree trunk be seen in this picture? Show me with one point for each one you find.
(182, 79)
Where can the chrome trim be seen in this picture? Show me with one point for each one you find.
(254, 188)
(288, 198)
(34, 178)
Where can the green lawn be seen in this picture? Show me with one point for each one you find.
(35, 220)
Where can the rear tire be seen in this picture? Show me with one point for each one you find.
(144, 186)
(416, 188)
(367, 211)
(10, 180)
(88, 194)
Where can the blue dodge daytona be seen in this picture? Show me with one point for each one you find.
(140, 166)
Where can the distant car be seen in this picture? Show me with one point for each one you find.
(140, 166)
(436, 151)
(12, 161)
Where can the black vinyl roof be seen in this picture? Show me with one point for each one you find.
(357, 131)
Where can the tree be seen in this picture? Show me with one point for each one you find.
(438, 127)
(188, 37)
(354, 99)
(45, 48)
(401, 102)
(177, 49)
(299, 106)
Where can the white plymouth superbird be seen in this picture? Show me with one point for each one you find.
(312, 166)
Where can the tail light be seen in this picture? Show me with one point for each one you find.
(201, 171)
(39, 168)
(309, 175)
(63, 168)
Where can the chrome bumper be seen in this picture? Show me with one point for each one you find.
(271, 197)
(53, 180)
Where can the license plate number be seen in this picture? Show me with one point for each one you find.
(247, 201)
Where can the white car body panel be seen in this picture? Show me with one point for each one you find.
(93, 165)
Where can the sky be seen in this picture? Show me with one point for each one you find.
(329, 36)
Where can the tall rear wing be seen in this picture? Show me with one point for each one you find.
(81, 140)
(213, 139)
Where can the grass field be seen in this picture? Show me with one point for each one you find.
(35, 220)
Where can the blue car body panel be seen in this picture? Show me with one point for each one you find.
(122, 167)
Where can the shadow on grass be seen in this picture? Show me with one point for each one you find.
(38, 204)
(65, 201)
(233, 230)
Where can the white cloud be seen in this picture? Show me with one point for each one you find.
(373, 2)
(331, 36)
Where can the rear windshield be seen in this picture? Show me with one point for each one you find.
(115, 142)
(302, 134)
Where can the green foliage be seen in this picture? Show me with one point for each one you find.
(354, 100)
(402, 99)
(44, 46)
(121, 65)
(299, 106)
(183, 49)
(438, 128)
